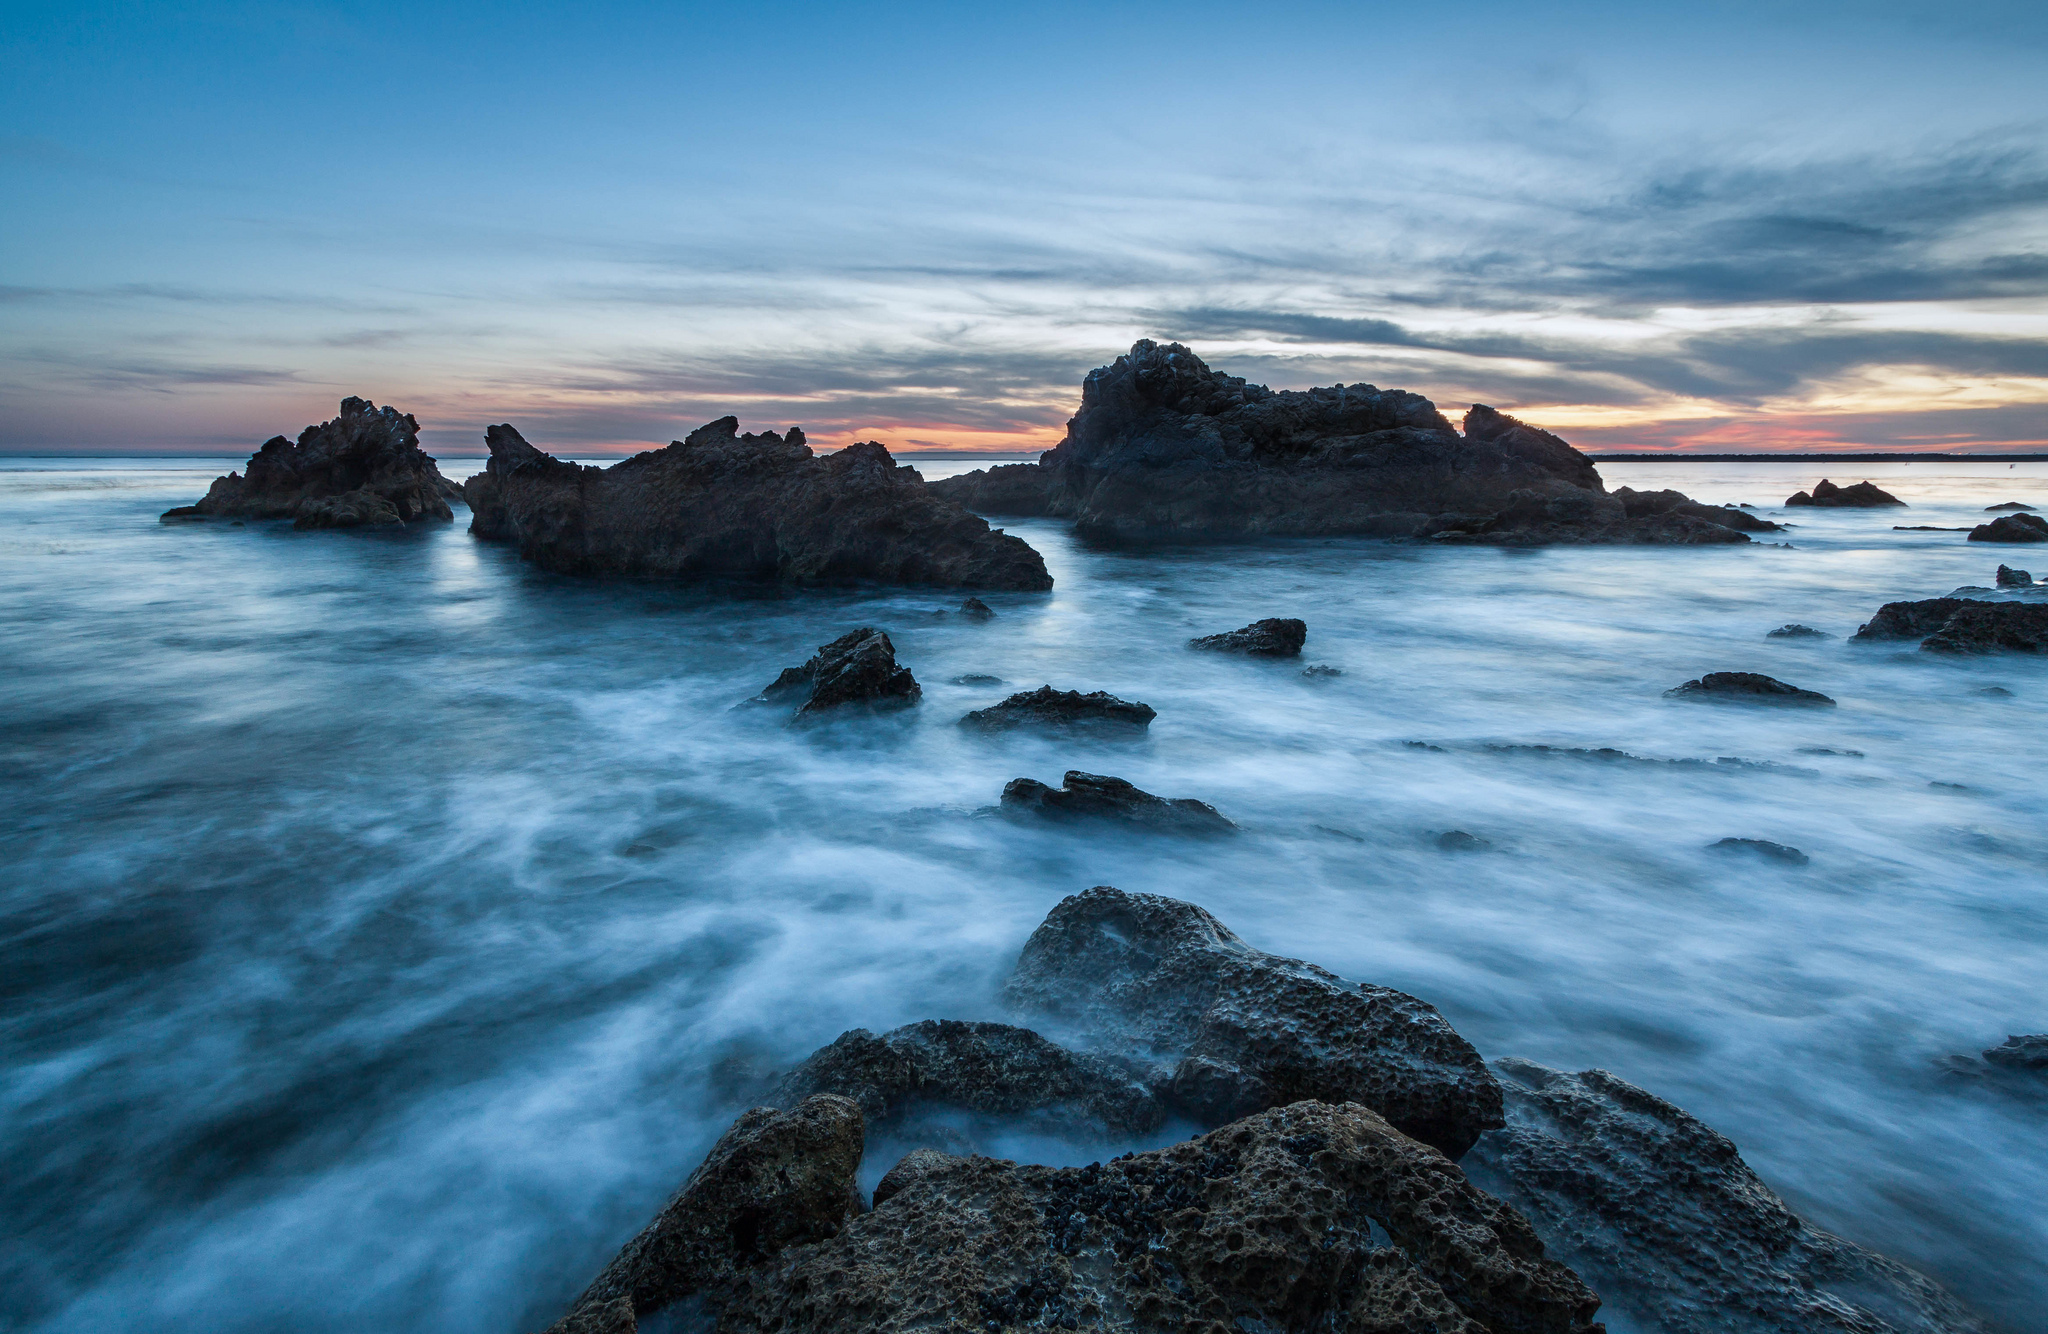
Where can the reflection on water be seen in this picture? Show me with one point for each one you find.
(389, 926)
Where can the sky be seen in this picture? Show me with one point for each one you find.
(1708, 227)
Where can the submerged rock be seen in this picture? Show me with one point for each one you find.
(2011, 578)
(1241, 1029)
(1747, 688)
(1275, 637)
(859, 667)
(1826, 495)
(1980, 627)
(2012, 528)
(1457, 840)
(363, 467)
(1796, 631)
(1084, 796)
(1321, 671)
(1061, 709)
(974, 609)
(1661, 1215)
(977, 679)
(1761, 847)
(2020, 1051)
(752, 506)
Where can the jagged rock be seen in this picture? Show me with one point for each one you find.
(343, 473)
(859, 667)
(998, 1069)
(1980, 627)
(1061, 709)
(1242, 1029)
(1826, 495)
(1661, 1215)
(974, 609)
(1304, 1217)
(1083, 796)
(1649, 504)
(2011, 578)
(2008, 505)
(753, 506)
(2020, 1051)
(1747, 688)
(1274, 637)
(1164, 448)
(1909, 620)
(773, 1181)
(1761, 847)
(1798, 632)
(2012, 528)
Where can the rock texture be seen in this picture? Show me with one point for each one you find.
(1309, 1217)
(2011, 578)
(1239, 1029)
(1981, 627)
(363, 467)
(2012, 528)
(1798, 632)
(1165, 449)
(1084, 796)
(1747, 688)
(1826, 495)
(1650, 504)
(1275, 637)
(1059, 710)
(1661, 1215)
(1909, 620)
(2020, 1051)
(750, 506)
(859, 667)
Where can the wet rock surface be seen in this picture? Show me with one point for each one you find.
(1089, 797)
(2011, 578)
(858, 668)
(722, 504)
(1660, 1214)
(363, 467)
(2012, 528)
(2021, 1051)
(1984, 627)
(1241, 1029)
(1760, 847)
(1909, 620)
(1275, 637)
(1747, 688)
(1826, 495)
(1048, 709)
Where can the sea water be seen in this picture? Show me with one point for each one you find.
(387, 927)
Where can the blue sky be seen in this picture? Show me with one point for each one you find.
(1736, 226)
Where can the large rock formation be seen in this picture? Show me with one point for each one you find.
(363, 467)
(1662, 1216)
(1085, 796)
(1164, 448)
(1235, 1029)
(1826, 495)
(752, 506)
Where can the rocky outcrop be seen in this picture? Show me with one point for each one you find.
(1098, 797)
(748, 506)
(1761, 847)
(2011, 578)
(1909, 620)
(1165, 449)
(1651, 504)
(1061, 710)
(857, 668)
(1661, 1215)
(1981, 627)
(1234, 1029)
(1826, 495)
(1798, 632)
(2011, 528)
(1747, 688)
(2020, 1051)
(1275, 637)
(363, 467)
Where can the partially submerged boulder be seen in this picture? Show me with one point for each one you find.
(363, 467)
(1274, 637)
(1796, 631)
(2020, 1051)
(1826, 495)
(2012, 528)
(1099, 797)
(750, 506)
(1981, 627)
(1061, 710)
(2011, 578)
(1240, 1029)
(1909, 620)
(1747, 688)
(858, 668)
(1761, 847)
(2008, 505)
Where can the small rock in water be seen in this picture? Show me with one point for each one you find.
(1825, 750)
(1762, 847)
(859, 667)
(1993, 692)
(1952, 787)
(2012, 528)
(1796, 631)
(975, 609)
(1275, 637)
(1826, 495)
(2020, 1051)
(1457, 840)
(2008, 505)
(1084, 796)
(977, 679)
(1321, 670)
(2008, 577)
(1747, 688)
(1049, 708)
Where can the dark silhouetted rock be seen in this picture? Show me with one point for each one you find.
(1275, 637)
(1457, 840)
(363, 467)
(2021, 1051)
(2011, 578)
(2012, 528)
(751, 506)
(859, 667)
(1980, 627)
(1826, 495)
(977, 679)
(974, 609)
(1242, 1029)
(1798, 632)
(1928, 528)
(1055, 709)
(1083, 796)
(1321, 671)
(1761, 847)
(1747, 688)
(1909, 620)
(2008, 505)
(1652, 504)
(1308, 1217)
(1661, 1215)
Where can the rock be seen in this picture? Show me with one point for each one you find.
(1747, 688)
(1083, 796)
(1980, 627)
(1777, 852)
(977, 679)
(2008, 505)
(1661, 1215)
(1457, 840)
(1826, 495)
(182, 514)
(1304, 1217)
(753, 506)
(1798, 632)
(1650, 504)
(2012, 528)
(1274, 637)
(1927, 528)
(1060, 709)
(1321, 671)
(1165, 449)
(912, 1168)
(974, 609)
(859, 667)
(997, 1069)
(1993, 692)
(1909, 620)
(2028, 1051)
(776, 1179)
(1242, 1029)
(2011, 578)
(365, 466)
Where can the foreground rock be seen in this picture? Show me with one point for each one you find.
(1275, 637)
(364, 467)
(1165, 449)
(857, 668)
(1092, 797)
(1826, 495)
(2020, 1051)
(1061, 710)
(1747, 688)
(753, 506)
(1235, 1030)
(2012, 528)
(1961, 625)
(1661, 1215)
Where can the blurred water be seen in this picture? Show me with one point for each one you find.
(388, 927)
